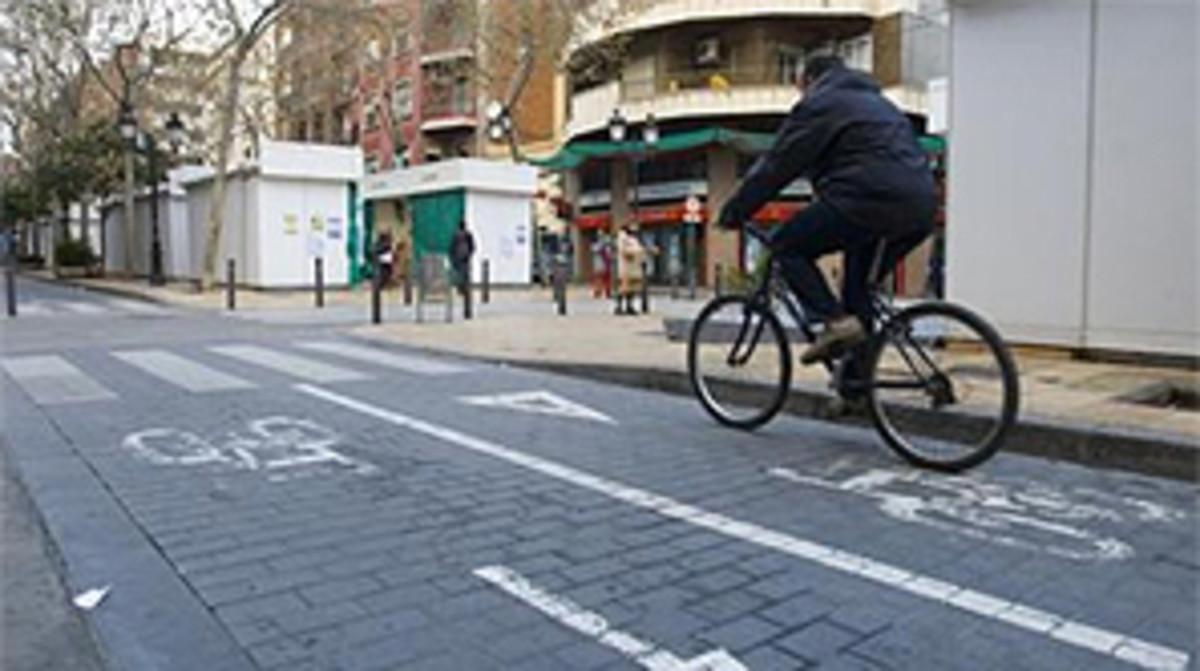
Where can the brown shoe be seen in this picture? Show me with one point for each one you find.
(838, 336)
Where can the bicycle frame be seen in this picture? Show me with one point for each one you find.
(771, 288)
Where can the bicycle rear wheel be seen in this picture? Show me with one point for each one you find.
(739, 362)
(943, 388)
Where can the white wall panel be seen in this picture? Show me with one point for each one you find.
(1143, 289)
(1018, 156)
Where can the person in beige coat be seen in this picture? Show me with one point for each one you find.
(631, 256)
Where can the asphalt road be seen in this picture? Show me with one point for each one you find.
(283, 496)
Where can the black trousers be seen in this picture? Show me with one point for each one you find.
(819, 230)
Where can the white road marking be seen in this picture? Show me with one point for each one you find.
(137, 307)
(182, 372)
(1021, 514)
(83, 308)
(1143, 653)
(34, 308)
(291, 364)
(271, 444)
(541, 402)
(380, 357)
(593, 625)
(52, 380)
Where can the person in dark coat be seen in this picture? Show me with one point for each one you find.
(462, 249)
(871, 182)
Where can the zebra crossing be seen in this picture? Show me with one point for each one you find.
(54, 379)
(111, 307)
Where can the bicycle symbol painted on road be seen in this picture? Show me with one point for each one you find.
(278, 445)
(1015, 513)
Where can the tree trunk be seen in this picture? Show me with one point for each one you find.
(129, 213)
(216, 207)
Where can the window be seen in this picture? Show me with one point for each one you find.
(400, 43)
(790, 62)
(460, 96)
(707, 52)
(402, 101)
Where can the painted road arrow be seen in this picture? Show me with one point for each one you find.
(593, 625)
(541, 402)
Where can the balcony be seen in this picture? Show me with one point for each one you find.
(666, 13)
(684, 95)
(448, 108)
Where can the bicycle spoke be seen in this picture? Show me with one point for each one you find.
(942, 390)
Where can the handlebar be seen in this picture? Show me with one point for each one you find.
(757, 234)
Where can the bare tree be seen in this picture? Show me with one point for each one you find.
(242, 26)
(81, 59)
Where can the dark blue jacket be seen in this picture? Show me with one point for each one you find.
(857, 149)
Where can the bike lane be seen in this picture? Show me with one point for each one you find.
(369, 557)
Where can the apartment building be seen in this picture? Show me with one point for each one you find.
(717, 78)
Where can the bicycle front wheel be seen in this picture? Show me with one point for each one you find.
(943, 388)
(739, 362)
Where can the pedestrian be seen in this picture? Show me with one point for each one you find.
(462, 249)
(8, 245)
(383, 252)
(630, 257)
(602, 253)
(401, 259)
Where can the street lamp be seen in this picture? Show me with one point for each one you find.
(127, 125)
(650, 133)
(176, 132)
(617, 127)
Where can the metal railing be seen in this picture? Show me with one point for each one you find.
(715, 79)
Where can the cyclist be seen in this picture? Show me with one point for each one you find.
(871, 182)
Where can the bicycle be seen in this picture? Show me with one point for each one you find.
(919, 364)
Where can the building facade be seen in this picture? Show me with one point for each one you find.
(1082, 199)
(717, 77)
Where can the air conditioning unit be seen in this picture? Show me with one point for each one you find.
(707, 51)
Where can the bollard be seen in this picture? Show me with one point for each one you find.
(487, 282)
(230, 284)
(377, 297)
(10, 289)
(319, 280)
(408, 285)
(645, 287)
(675, 285)
(466, 293)
(560, 288)
(717, 280)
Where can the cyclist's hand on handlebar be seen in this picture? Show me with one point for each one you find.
(728, 220)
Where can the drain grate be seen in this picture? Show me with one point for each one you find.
(1171, 395)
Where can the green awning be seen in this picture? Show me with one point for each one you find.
(578, 153)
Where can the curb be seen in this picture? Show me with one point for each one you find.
(1149, 453)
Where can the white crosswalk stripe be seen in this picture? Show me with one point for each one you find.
(35, 308)
(79, 307)
(52, 380)
(297, 366)
(136, 307)
(379, 357)
(182, 372)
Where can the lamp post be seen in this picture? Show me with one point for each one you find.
(617, 127)
(127, 124)
(649, 142)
